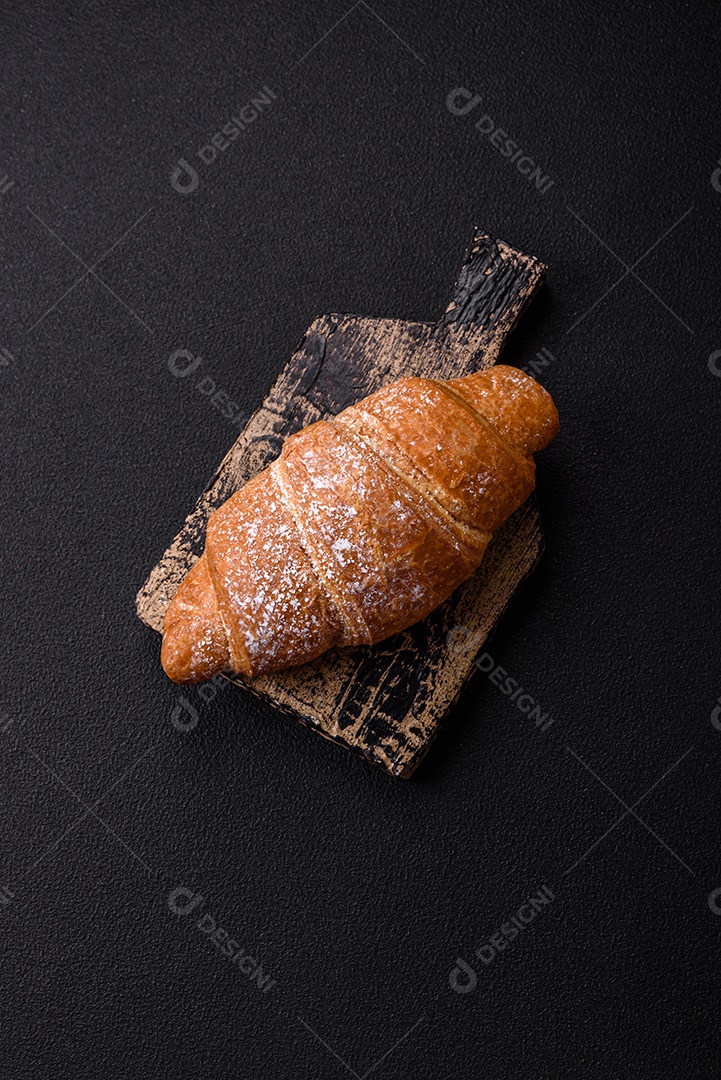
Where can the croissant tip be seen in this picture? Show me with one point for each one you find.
(195, 646)
(176, 659)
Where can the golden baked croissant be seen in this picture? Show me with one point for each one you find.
(361, 527)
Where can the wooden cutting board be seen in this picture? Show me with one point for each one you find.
(385, 702)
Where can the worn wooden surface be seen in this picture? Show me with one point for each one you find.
(384, 702)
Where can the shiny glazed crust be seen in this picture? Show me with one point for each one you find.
(362, 526)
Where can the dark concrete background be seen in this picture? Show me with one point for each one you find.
(356, 189)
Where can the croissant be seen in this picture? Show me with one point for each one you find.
(361, 527)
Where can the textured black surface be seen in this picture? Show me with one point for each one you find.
(353, 191)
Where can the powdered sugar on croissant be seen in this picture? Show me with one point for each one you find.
(363, 525)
